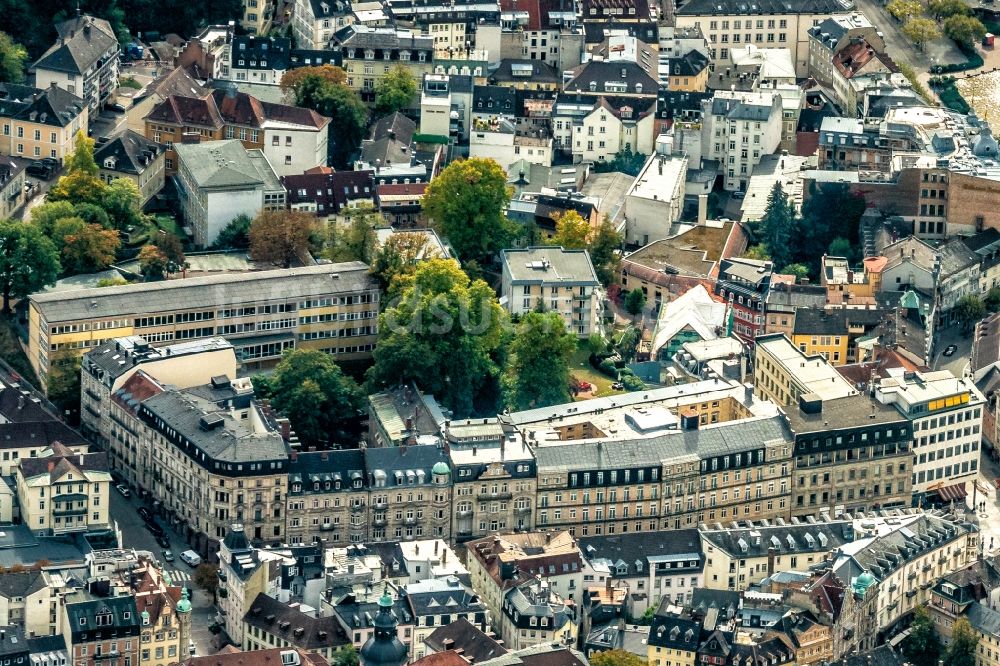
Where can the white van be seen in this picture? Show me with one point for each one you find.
(191, 558)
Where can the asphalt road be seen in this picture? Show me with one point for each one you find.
(958, 362)
(135, 535)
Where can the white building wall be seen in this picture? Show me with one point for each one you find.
(224, 206)
(297, 149)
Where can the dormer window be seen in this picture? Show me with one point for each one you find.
(350, 53)
(404, 55)
(387, 55)
(369, 55)
(638, 89)
(593, 86)
(422, 57)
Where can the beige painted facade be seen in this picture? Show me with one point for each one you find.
(63, 496)
(23, 138)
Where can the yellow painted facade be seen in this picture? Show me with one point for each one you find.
(832, 347)
(697, 83)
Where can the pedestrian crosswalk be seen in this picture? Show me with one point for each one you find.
(177, 576)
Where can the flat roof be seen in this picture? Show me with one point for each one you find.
(813, 373)
(549, 264)
(659, 177)
(210, 292)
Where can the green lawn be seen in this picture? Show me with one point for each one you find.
(581, 369)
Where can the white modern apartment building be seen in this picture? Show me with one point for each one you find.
(739, 128)
(947, 416)
(656, 199)
(563, 280)
(315, 21)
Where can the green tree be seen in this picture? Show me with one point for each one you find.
(830, 211)
(29, 261)
(346, 656)
(171, 247)
(467, 202)
(443, 333)
(962, 649)
(537, 368)
(605, 245)
(281, 236)
(647, 618)
(348, 114)
(46, 215)
(81, 183)
(300, 84)
(395, 91)
(904, 10)
(758, 252)
(922, 647)
(798, 270)
(571, 231)
(85, 248)
(841, 247)
(966, 30)
(920, 31)
(235, 235)
(355, 239)
(635, 301)
(122, 201)
(992, 300)
(12, 59)
(153, 264)
(321, 402)
(92, 214)
(776, 227)
(206, 577)
(62, 384)
(944, 8)
(398, 256)
(969, 309)
(617, 658)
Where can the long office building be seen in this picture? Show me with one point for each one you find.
(332, 307)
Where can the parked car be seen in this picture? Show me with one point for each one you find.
(950, 349)
(168, 556)
(117, 108)
(163, 541)
(191, 558)
(50, 161)
(739, 194)
(154, 529)
(123, 489)
(191, 648)
(145, 513)
(39, 170)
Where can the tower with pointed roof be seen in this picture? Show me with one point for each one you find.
(384, 647)
(184, 621)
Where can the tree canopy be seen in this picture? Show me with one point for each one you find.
(604, 246)
(321, 402)
(572, 231)
(617, 658)
(12, 59)
(903, 10)
(776, 227)
(399, 255)
(443, 333)
(355, 239)
(322, 89)
(85, 248)
(235, 235)
(962, 649)
(301, 84)
(966, 30)
(538, 358)
(922, 646)
(395, 91)
(280, 236)
(635, 301)
(969, 309)
(467, 202)
(153, 263)
(920, 31)
(28, 261)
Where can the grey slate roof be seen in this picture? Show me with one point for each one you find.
(290, 624)
(270, 50)
(718, 439)
(83, 41)
(208, 291)
(746, 542)
(883, 655)
(234, 441)
(49, 106)
(219, 164)
(738, 109)
(132, 153)
(412, 459)
(473, 643)
(313, 467)
(601, 71)
(984, 619)
(21, 583)
(647, 548)
(761, 7)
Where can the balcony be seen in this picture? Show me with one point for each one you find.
(521, 510)
(380, 506)
(357, 508)
(464, 514)
(74, 511)
(486, 497)
(409, 521)
(912, 575)
(326, 527)
(927, 567)
(379, 522)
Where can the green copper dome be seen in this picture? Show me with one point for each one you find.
(184, 605)
(863, 582)
(441, 467)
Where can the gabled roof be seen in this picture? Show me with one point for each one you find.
(854, 57)
(131, 153)
(301, 630)
(83, 40)
(691, 63)
(50, 469)
(46, 106)
(600, 73)
(464, 637)
(175, 82)
(329, 191)
(695, 310)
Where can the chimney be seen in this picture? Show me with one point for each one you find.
(689, 419)
(702, 209)
(52, 466)
(770, 560)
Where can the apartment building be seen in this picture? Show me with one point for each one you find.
(503, 142)
(563, 280)
(411, 493)
(833, 333)
(898, 562)
(494, 484)
(327, 497)
(61, 492)
(40, 122)
(101, 624)
(533, 614)
(331, 307)
(83, 61)
(272, 623)
(737, 557)
(852, 454)
(739, 128)
(783, 373)
(651, 566)
(547, 31)
(12, 181)
(220, 180)
(677, 478)
(165, 616)
(108, 366)
(440, 601)
(831, 36)
(946, 415)
(594, 130)
(292, 139)
(133, 157)
(209, 455)
(369, 53)
(498, 563)
(655, 200)
(315, 21)
(733, 25)
(743, 284)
